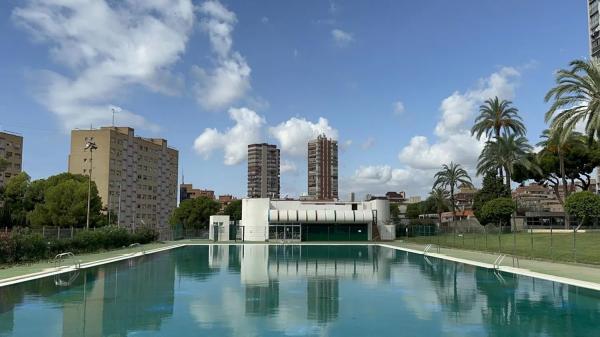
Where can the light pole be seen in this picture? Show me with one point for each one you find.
(89, 145)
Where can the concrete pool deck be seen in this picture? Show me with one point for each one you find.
(585, 276)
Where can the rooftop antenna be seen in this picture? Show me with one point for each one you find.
(113, 115)
(182, 176)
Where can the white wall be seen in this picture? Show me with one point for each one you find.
(255, 219)
(215, 220)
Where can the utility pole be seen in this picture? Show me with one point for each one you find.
(89, 145)
(114, 110)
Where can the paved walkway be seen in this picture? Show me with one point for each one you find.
(580, 272)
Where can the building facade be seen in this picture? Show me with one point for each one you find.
(187, 191)
(11, 151)
(594, 27)
(136, 177)
(323, 169)
(263, 171)
(536, 198)
(264, 219)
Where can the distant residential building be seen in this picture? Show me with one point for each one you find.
(465, 197)
(11, 150)
(352, 197)
(396, 197)
(136, 177)
(536, 198)
(594, 28)
(323, 168)
(414, 199)
(226, 199)
(187, 191)
(263, 171)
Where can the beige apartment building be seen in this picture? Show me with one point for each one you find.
(263, 171)
(136, 177)
(11, 150)
(323, 169)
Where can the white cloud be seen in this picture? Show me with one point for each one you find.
(369, 143)
(294, 134)
(341, 38)
(378, 179)
(460, 148)
(264, 20)
(230, 78)
(107, 48)
(399, 108)
(454, 141)
(422, 157)
(287, 166)
(234, 141)
(458, 110)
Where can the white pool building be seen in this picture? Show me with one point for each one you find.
(264, 220)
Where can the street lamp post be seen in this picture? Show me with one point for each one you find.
(89, 145)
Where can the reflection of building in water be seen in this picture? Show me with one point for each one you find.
(262, 300)
(117, 301)
(323, 299)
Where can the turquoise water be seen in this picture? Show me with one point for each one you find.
(260, 290)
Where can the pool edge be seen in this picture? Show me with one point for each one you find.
(512, 270)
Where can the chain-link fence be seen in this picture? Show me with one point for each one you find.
(579, 243)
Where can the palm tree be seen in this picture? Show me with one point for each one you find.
(576, 98)
(560, 141)
(505, 152)
(495, 116)
(440, 197)
(449, 178)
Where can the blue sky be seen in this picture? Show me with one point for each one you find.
(212, 76)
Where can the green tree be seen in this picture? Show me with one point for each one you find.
(584, 205)
(561, 142)
(493, 187)
(394, 212)
(194, 213)
(498, 211)
(15, 204)
(439, 198)
(576, 98)
(504, 153)
(423, 207)
(61, 200)
(450, 178)
(234, 210)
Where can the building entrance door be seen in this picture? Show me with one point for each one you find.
(285, 233)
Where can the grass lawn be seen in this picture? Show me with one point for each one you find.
(581, 248)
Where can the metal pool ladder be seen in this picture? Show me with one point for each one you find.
(498, 261)
(427, 248)
(60, 257)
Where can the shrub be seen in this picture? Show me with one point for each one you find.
(145, 235)
(584, 205)
(497, 211)
(23, 246)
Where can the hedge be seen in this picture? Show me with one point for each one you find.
(21, 245)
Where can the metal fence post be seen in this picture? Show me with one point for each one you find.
(551, 246)
(58, 233)
(574, 245)
(44, 232)
(531, 237)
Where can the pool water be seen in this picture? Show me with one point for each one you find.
(293, 290)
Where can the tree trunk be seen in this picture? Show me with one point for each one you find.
(452, 201)
(508, 179)
(561, 161)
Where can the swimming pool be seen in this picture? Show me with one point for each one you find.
(294, 290)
